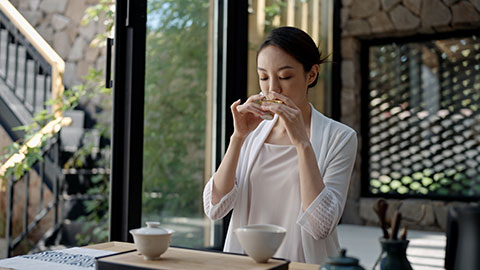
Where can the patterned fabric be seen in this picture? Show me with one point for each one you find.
(219, 210)
(64, 258)
(319, 219)
(72, 259)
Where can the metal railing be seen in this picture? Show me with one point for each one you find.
(32, 53)
(48, 168)
(51, 159)
(46, 62)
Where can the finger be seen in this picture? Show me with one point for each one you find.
(238, 110)
(283, 111)
(286, 100)
(274, 107)
(252, 108)
(234, 107)
(249, 104)
(235, 104)
(254, 98)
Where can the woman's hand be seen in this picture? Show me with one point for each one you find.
(292, 117)
(246, 116)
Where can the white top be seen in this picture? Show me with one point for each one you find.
(274, 196)
(335, 147)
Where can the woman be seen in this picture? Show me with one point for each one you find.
(292, 171)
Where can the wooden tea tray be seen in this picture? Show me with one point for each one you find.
(182, 258)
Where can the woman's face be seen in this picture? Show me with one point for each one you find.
(278, 71)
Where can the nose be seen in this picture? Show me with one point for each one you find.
(274, 86)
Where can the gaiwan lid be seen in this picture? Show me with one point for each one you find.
(153, 228)
(342, 261)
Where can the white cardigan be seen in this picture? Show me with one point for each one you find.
(335, 147)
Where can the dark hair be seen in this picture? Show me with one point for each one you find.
(298, 44)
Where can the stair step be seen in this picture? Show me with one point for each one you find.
(21, 115)
(29, 86)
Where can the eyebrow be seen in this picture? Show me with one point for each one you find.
(282, 68)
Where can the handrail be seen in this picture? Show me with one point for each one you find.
(49, 129)
(45, 50)
(58, 68)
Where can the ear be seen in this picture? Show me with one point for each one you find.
(312, 74)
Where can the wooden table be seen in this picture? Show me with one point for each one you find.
(122, 246)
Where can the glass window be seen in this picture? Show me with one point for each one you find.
(424, 118)
(175, 118)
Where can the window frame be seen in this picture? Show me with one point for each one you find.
(230, 46)
(365, 45)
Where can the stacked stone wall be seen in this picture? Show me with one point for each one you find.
(370, 19)
(59, 23)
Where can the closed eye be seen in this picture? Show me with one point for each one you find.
(264, 79)
(285, 78)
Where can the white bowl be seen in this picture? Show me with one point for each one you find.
(152, 241)
(260, 241)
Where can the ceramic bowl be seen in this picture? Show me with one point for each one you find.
(152, 241)
(260, 241)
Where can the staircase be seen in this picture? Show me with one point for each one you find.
(24, 86)
(30, 74)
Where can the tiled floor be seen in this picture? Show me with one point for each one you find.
(426, 250)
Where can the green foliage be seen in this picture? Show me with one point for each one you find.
(95, 228)
(103, 12)
(70, 99)
(95, 222)
(272, 11)
(175, 87)
(98, 209)
(33, 154)
(449, 182)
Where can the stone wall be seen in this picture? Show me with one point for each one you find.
(58, 21)
(369, 19)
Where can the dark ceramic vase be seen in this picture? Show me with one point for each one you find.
(394, 255)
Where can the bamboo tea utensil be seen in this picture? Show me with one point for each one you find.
(380, 209)
(403, 234)
(397, 218)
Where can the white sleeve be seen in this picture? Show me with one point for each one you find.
(324, 212)
(221, 209)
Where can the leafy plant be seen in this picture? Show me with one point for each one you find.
(271, 12)
(92, 88)
(95, 222)
(95, 228)
(103, 12)
(175, 98)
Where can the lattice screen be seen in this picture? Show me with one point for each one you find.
(424, 106)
